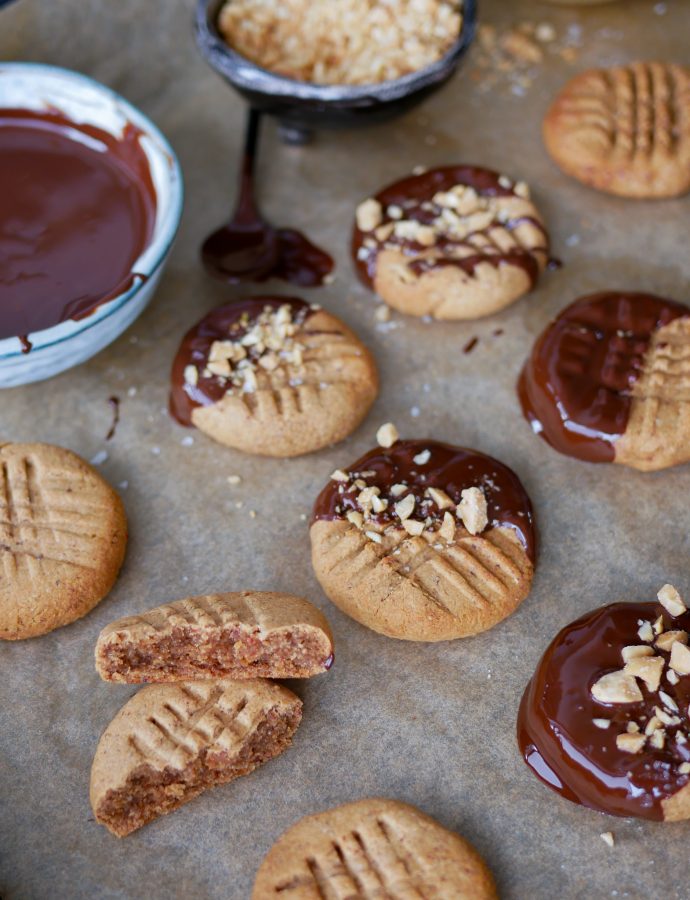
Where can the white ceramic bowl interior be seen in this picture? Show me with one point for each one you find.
(32, 86)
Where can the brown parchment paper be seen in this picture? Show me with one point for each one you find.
(431, 725)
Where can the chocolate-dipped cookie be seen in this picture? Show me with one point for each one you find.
(604, 721)
(457, 242)
(273, 376)
(423, 541)
(609, 381)
(625, 129)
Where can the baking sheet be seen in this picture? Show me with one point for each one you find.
(431, 725)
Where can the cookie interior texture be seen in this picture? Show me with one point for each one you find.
(240, 635)
(607, 381)
(273, 376)
(63, 536)
(390, 549)
(604, 721)
(171, 742)
(370, 849)
(625, 129)
(457, 242)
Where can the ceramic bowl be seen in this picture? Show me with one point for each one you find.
(303, 106)
(32, 86)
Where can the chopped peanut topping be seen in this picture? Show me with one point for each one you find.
(645, 632)
(616, 687)
(680, 658)
(447, 529)
(647, 668)
(666, 640)
(413, 527)
(387, 435)
(369, 215)
(607, 838)
(191, 375)
(339, 475)
(405, 507)
(601, 723)
(472, 509)
(671, 600)
(355, 518)
(635, 650)
(440, 498)
(630, 743)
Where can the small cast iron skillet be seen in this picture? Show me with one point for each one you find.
(303, 106)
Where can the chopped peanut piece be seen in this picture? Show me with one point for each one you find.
(398, 490)
(405, 507)
(601, 723)
(653, 725)
(684, 768)
(369, 215)
(447, 529)
(421, 459)
(668, 701)
(191, 375)
(374, 536)
(378, 505)
(355, 518)
(616, 687)
(635, 650)
(647, 668)
(440, 498)
(630, 743)
(339, 475)
(666, 640)
(387, 435)
(658, 739)
(607, 838)
(645, 632)
(671, 600)
(413, 527)
(680, 658)
(472, 509)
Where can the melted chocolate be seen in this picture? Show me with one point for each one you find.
(299, 261)
(78, 208)
(114, 404)
(581, 761)
(414, 196)
(221, 324)
(451, 469)
(576, 386)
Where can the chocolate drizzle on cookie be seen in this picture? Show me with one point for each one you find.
(604, 721)
(221, 353)
(445, 218)
(427, 486)
(576, 388)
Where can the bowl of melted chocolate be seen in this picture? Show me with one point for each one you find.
(91, 201)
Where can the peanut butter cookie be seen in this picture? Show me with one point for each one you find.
(625, 130)
(422, 541)
(458, 242)
(63, 535)
(609, 381)
(273, 376)
(370, 849)
(170, 742)
(604, 721)
(242, 635)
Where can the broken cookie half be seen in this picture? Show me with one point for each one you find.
(171, 742)
(239, 635)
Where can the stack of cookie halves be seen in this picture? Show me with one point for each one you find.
(210, 713)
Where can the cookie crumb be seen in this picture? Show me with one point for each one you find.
(387, 435)
(234, 479)
(607, 838)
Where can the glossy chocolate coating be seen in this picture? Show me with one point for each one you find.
(576, 386)
(221, 324)
(451, 469)
(413, 194)
(556, 734)
(77, 209)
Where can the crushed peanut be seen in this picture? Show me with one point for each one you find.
(348, 42)
(387, 435)
(669, 638)
(646, 668)
(680, 658)
(616, 687)
(630, 743)
(671, 600)
(607, 838)
(472, 510)
(635, 650)
(369, 215)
